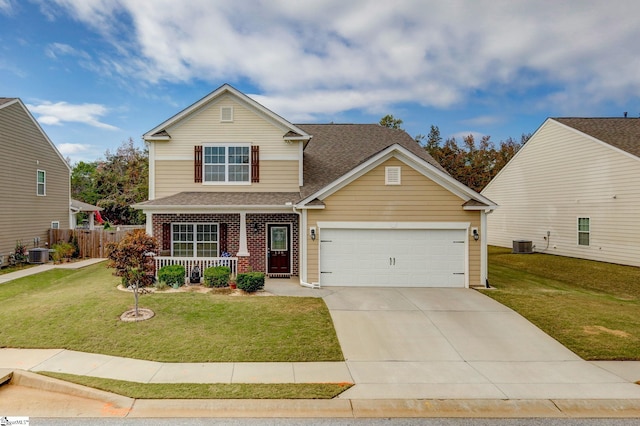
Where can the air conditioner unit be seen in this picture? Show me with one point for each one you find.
(522, 247)
(39, 255)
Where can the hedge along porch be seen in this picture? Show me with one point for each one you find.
(261, 242)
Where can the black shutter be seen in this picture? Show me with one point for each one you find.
(166, 236)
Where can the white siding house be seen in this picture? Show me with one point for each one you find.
(573, 190)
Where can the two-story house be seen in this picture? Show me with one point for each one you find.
(34, 181)
(333, 204)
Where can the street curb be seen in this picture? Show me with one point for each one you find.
(331, 408)
(49, 384)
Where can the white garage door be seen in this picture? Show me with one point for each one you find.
(392, 257)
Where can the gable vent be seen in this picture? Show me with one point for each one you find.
(392, 175)
(226, 114)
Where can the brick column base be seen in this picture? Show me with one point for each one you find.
(243, 264)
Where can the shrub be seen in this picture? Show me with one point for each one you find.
(62, 251)
(172, 275)
(250, 281)
(131, 258)
(217, 276)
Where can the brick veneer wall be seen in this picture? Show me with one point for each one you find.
(256, 241)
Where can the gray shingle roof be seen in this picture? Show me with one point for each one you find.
(623, 133)
(226, 199)
(335, 149)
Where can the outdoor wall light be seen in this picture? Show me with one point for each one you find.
(312, 233)
(255, 227)
(476, 236)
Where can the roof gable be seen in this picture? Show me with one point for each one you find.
(431, 171)
(336, 149)
(7, 102)
(160, 131)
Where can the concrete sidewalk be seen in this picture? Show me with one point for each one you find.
(46, 267)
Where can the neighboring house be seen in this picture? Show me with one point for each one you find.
(34, 181)
(92, 213)
(334, 204)
(573, 190)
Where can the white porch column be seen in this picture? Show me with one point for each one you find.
(91, 220)
(149, 225)
(243, 250)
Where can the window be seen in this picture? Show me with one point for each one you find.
(55, 224)
(392, 175)
(583, 231)
(227, 164)
(41, 183)
(194, 239)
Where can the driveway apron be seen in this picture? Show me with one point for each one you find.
(456, 343)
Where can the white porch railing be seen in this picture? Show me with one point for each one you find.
(202, 262)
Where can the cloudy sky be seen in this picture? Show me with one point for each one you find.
(96, 72)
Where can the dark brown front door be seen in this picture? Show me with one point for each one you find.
(279, 250)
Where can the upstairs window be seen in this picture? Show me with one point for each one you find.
(41, 183)
(227, 164)
(584, 230)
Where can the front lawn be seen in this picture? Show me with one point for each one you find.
(80, 310)
(593, 308)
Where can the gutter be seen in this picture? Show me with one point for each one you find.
(303, 283)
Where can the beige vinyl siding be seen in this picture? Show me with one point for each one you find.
(561, 175)
(175, 157)
(23, 214)
(417, 199)
(177, 176)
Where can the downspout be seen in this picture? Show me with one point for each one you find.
(303, 245)
(484, 253)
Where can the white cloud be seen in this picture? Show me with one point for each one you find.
(73, 148)
(55, 50)
(329, 56)
(6, 7)
(60, 112)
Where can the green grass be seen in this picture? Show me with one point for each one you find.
(80, 309)
(593, 308)
(208, 391)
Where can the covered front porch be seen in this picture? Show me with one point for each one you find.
(243, 241)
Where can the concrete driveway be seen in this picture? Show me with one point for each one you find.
(456, 343)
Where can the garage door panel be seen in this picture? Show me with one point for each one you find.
(393, 257)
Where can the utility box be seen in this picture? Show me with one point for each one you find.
(522, 246)
(39, 255)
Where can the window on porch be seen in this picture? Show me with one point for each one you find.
(194, 239)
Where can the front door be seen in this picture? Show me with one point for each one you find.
(279, 250)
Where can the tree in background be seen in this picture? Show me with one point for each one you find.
(116, 182)
(391, 122)
(472, 163)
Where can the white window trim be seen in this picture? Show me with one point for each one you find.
(195, 237)
(43, 183)
(55, 224)
(393, 175)
(226, 164)
(578, 231)
(228, 109)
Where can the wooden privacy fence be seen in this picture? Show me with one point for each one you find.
(92, 243)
